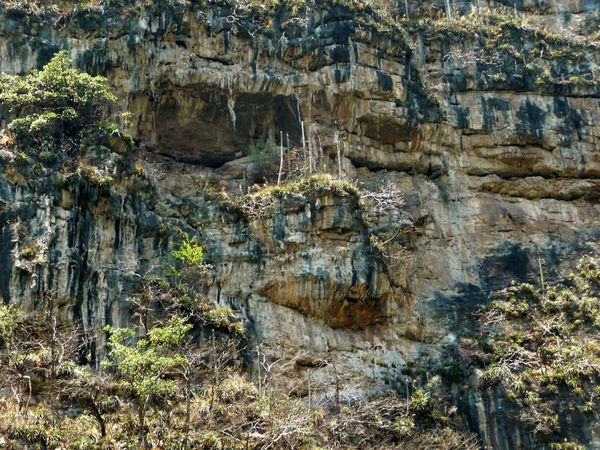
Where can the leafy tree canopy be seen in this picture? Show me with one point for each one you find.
(56, 106)
(144, 365)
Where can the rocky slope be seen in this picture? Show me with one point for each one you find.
(490, 129)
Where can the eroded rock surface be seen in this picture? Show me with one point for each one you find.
(498, 172)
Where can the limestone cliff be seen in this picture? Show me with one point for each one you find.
(490, 128)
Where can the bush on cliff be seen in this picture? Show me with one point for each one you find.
(544, 346)
(57, 107)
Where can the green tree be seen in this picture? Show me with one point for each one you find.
(56, 106)
(149, 366)
(190, 273)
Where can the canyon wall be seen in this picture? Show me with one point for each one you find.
(493, 139)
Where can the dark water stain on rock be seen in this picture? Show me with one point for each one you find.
(279, 227)
(531, 120)
(340, 54)
(342, 73)
(6, 246)
(490, 108)
(384, 81)
(462, 117)
(572, 121)
(456, 309)
(508, 261)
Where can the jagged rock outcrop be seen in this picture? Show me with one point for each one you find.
(499, 162)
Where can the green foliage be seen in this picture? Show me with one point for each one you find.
(8, 322)
(190, 273)
(55, 107)
(146, 392)
(316, 183)
(181, 291)
(545, 346)
(40, 430)
(222, 317)
(377, 243)
(28, 342)
(29, 252)
(22, 159)
(190, 253)
(219, 317)
(262, 202)
(92, 175)
(48, 158)
(421, 401)
(144, 365)
(566, 446)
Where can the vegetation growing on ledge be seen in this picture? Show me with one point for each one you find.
(369, 207)
(500, 49)
(312, 184)
(255, 9)
(56, 107)
(60, 136)
(381, 15)
(545, 347)
(262, 202)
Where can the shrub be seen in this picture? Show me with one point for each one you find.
(222, 317)
(190, 270)
(190, 252)
(544, 347)
(8, 322)
(29, 252)
(421, 401)
(57, 106)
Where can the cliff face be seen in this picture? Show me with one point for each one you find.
(492, 134)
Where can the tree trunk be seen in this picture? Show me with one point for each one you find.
(304, 145)
(188, 405)
(287, 140)
(339, 159)
(102, 423)
(53, 348)
(142, 422)
(319, 156)
(310, 150)
(337, 390)
(406, 8)
(96, 413)
(280, 158)
(448, 10)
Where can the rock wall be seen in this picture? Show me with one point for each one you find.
(498, 172)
